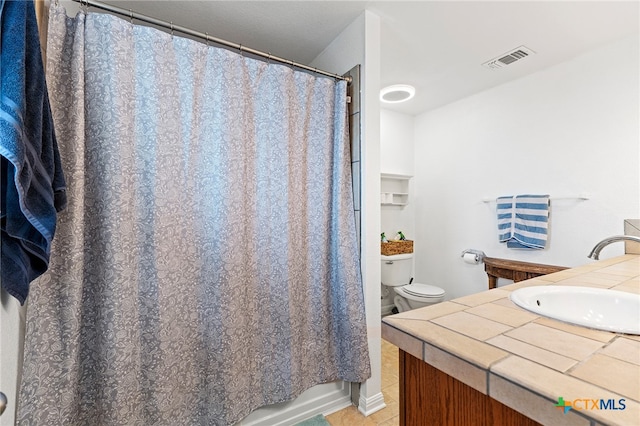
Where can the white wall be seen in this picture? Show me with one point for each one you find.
(396, 136)
(396, 157)
(567, 130)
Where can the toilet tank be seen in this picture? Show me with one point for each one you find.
(396, 269)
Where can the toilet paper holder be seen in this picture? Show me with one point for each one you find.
(479, 255)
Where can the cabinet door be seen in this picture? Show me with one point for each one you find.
(429, 397)
(12, 323)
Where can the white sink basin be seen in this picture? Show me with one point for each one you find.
(597, 308)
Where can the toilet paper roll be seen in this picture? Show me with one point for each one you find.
(470, 258)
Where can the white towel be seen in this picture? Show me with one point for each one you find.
(523, 221)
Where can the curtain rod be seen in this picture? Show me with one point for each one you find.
(170, 26)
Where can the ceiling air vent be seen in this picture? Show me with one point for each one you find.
(509, 58)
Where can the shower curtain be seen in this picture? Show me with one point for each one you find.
(207, 263)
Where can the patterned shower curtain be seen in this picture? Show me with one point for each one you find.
(207, 262)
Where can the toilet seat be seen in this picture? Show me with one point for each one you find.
(424, 291)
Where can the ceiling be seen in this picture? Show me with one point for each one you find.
(436, 46)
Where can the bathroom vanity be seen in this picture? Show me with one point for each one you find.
(481, 360)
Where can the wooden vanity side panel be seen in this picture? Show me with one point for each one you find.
(429, 397)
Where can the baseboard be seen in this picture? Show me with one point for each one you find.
(368, 406)
(387, 309)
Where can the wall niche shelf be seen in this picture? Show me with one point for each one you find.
(394, 189)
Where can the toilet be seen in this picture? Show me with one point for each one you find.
(396, 273)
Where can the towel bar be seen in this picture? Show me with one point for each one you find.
(581, 197)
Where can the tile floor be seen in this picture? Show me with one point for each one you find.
(388, 416)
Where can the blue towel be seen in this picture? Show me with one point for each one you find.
(32, 182)
(523, 221)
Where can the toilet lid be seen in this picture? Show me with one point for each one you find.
(423, 290)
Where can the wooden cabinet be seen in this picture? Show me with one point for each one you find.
(515, 270)
(429, 397)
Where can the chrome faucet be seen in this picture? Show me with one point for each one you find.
(595, 253)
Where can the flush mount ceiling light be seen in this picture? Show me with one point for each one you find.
(397, 93)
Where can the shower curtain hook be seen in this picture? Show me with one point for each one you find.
(269, 58)
(206, 37)
(241, 50)
(171, 24)
(130, 16)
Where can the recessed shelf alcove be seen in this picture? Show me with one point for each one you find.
(394, 189)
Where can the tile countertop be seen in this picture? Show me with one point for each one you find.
(527, 361)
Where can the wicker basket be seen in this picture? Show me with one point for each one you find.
(396, 247)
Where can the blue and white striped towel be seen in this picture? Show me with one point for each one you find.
(523, 221)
